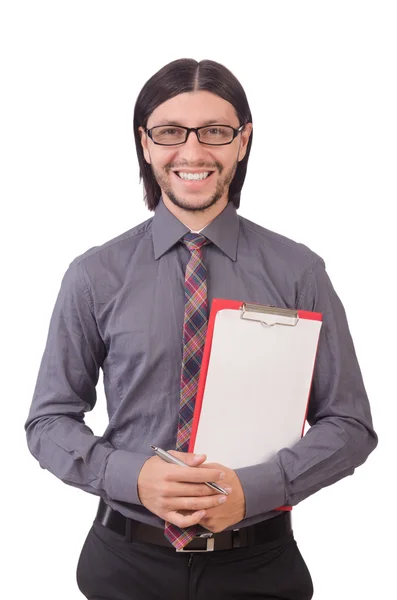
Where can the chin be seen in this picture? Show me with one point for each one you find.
(193, 201)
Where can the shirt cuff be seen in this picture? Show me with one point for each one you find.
(263, 487)
(121, 475)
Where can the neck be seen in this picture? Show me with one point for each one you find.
(195, 219)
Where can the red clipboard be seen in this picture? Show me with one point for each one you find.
(218, 305)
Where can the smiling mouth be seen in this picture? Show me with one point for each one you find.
(188, 176)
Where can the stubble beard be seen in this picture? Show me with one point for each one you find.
(202, 205)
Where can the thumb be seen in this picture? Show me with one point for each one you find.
(191, 459)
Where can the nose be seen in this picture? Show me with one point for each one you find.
(192, 146)
(192, 135)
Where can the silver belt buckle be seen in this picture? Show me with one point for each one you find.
(210, 544)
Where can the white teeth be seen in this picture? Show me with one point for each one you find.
(193, 176)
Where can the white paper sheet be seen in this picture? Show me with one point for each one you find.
(257, 388)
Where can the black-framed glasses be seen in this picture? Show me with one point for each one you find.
(211, 135)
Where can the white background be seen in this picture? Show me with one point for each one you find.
(321, 81)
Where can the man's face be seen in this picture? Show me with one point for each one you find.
(195, 109)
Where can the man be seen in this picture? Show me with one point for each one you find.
(137, 308)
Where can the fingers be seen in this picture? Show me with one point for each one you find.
(193, 460)
(183, 521)
(193, 474)
(191, 489)
(190, 503)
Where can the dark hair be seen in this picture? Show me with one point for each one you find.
(178, 77)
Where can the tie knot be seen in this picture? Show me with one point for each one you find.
(194, 241)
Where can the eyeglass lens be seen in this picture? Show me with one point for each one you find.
(208, 135)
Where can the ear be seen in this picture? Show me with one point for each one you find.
(144, 142)
(245, 136)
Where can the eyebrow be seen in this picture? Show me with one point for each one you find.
(220, 121)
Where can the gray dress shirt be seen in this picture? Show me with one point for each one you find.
(120, 308)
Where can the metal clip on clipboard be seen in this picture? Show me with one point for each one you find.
(261, 309)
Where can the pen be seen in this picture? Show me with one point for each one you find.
(171, 459)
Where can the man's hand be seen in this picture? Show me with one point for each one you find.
(178, 494)
(233, 510)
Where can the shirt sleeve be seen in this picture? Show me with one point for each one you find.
(65, 390)
(341, 435)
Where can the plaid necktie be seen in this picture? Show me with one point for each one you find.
(194, 332)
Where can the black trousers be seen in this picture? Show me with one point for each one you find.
(111, 568)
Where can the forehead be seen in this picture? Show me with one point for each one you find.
(194, 109)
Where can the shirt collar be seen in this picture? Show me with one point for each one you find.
(167, 230)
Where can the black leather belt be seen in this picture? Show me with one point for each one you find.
(260, 533)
